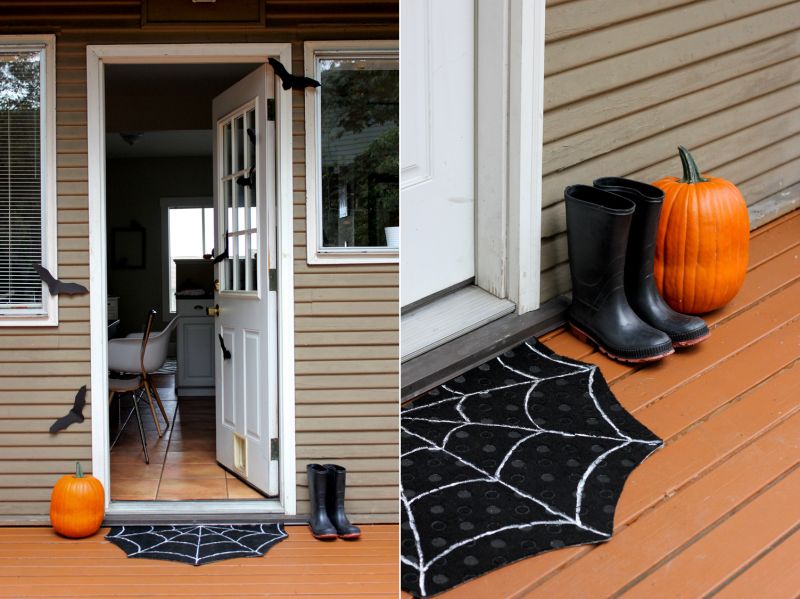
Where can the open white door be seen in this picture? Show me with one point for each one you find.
(244, 204)
(436, 155)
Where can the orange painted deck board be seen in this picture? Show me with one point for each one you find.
(35, 562)
(729, 412)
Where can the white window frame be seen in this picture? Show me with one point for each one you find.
(315, 253)
(48, 315)
(166, 204)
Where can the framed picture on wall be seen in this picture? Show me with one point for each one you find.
(128, 249)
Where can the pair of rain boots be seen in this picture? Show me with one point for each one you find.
(611, 235)
(326, 485)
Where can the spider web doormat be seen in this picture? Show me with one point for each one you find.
(523, 454)
(196, 544)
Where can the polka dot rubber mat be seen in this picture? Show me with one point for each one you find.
(523, 454)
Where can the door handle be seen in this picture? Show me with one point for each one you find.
(213, 311)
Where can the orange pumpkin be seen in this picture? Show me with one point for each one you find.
(703, 240)
(77, 505)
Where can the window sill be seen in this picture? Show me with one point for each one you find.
(374, 257)
(43, 320)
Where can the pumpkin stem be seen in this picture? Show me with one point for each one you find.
(78, 470)
(691, 174)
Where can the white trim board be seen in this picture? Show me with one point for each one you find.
(509, 101)
(448, 317)
(96, 59)
(168, 508)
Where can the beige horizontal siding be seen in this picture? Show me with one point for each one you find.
(347, 335)
(627, 82)
(346, 322)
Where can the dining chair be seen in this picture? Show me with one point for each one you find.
(142, 354)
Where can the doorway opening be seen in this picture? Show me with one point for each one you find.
(148, 126)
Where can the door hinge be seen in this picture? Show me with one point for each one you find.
(271, 109)
(274, 449)
(273, 279)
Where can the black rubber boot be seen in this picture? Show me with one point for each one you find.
(598, 224)
(640, 284)
(321, 526)
(334, 503)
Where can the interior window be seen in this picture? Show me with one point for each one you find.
(24, 195)
(191, 235)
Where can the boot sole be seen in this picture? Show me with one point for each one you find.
(588, 339)
(325, 537)
(350, 536)
(691, 342)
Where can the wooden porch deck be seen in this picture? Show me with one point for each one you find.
(716, 512)
(35, 562)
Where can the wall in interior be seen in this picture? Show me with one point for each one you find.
(134, 188)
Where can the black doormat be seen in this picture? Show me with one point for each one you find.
(197, 544)
(523, 454)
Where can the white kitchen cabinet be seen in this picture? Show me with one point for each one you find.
(196, 348)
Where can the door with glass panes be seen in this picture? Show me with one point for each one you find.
(245, 323)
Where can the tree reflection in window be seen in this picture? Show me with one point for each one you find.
(359, 150)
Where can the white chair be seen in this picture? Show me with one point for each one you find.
(141, 354)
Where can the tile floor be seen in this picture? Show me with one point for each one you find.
(182, 462)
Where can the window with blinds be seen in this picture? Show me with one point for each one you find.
(22, 189)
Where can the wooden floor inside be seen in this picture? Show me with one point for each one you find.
(35, 562)
(716, 511)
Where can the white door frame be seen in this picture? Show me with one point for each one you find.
(96, 58)
(509, 104)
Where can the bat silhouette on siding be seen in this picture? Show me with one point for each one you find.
(225, 353)
(251, 135)
(75, 415)
(56, 286)
(224, 254)
(292, 81)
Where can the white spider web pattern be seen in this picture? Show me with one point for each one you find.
(204, 537)
(528, 430)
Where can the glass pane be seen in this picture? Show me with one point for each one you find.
(359, 149)
(239, 143)
(240, 212)
(239, 274)
(208, 230)
(226, 187)
(227, 167)
(254, 260)
(187, 233)
(20, 180)
(251, 146)
(229, 273)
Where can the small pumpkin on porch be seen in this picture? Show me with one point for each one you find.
(77, 505)
(703, 240)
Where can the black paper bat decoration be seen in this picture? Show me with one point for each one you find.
(56, 286)
(75, 415)
(249, 180)
(226, 355)
(292, 81)
(251, 135)
(224, 254)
